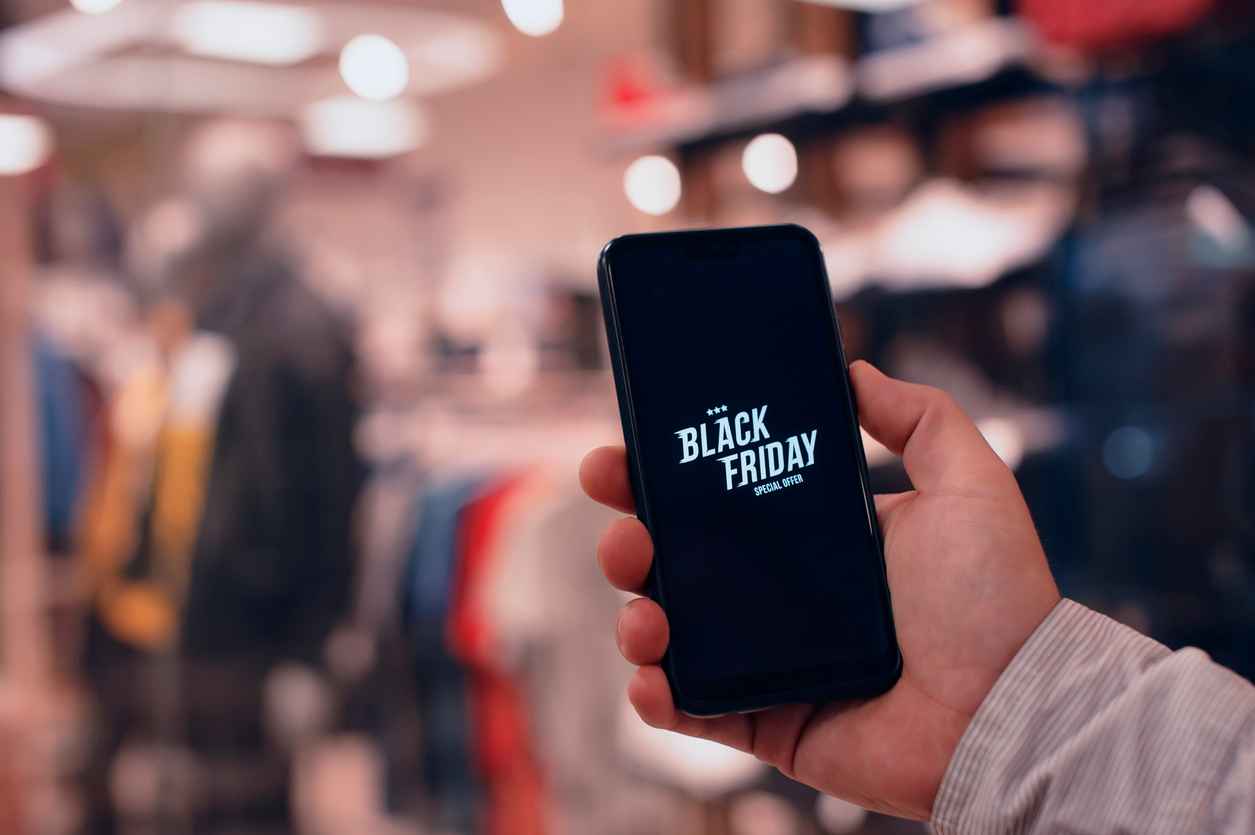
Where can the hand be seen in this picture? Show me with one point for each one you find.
(970, 584)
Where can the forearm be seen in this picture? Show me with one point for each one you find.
(1094, 728)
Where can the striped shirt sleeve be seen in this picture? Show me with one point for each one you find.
(1095, 728)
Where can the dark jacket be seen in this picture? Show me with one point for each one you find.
(273, 565)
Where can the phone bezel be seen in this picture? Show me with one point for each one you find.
(742, 694)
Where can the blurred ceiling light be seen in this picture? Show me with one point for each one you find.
(350, 127)
(465, 50)
(259, 33)
(770, 163)
(534, 17)
(94, 6)
(25, 143)
(374, 67)
(125, 60)
(867, 5)
(652, 185)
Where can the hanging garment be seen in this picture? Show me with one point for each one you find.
(273, 565)
(433, 553)
(553, 617)
(140, 520)
(145, 509)
(387, 515)
(1097, 27)
(271, 574)
(62, 441)
(504, 753)
(449, 768)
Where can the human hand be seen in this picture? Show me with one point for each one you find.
(969, 580)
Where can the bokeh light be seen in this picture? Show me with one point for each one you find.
(534, 17)
(770, 163)
(1128, 452)
(374, 67)
(94, 6)
(652, 185)
(271, 34)
(25, 143)
(354, 128)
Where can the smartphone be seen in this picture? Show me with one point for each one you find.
(747, 467)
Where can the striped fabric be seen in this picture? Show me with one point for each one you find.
(1094, 728)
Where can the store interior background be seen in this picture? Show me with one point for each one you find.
(301, 347)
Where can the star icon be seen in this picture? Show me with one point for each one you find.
(709, 412)
(723, 408)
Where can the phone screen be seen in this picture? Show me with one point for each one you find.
(768, 563)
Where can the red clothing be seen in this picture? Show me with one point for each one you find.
(1113, 24)
(502, 747)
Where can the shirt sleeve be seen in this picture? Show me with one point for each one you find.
(1095, 728)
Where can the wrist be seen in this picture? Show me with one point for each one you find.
(940, 749)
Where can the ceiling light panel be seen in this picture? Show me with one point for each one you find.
(258, 33)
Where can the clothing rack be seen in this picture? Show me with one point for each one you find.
(453, 427)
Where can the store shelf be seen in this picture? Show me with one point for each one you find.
(814, 95)
(740, 105)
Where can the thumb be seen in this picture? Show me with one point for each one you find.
(940, 446)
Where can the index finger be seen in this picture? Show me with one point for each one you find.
(604, 477)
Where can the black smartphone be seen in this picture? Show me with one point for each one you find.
(747, 467)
